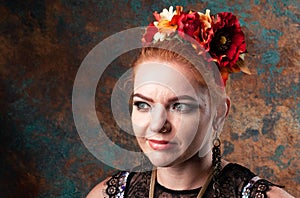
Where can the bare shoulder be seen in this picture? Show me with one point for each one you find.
(277, 192)
(99, 190)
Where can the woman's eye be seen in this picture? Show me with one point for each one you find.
(181, 107)
(142, 106)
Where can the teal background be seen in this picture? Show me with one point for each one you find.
(43, 44)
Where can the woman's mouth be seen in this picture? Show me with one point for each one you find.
(159, 144)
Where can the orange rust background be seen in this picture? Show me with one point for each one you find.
(42, 46)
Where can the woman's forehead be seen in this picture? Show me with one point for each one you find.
(155, 77)
(162, 72)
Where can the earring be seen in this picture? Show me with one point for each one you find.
(217, 164)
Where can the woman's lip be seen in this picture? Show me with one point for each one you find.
(159, 144)
(159, 141)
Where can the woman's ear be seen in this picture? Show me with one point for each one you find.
(228, 103)
(221, 114)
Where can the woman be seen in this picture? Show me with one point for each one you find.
(178, 110)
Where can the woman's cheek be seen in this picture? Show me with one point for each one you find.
(190, 126)
(194, 126)
(140, 122)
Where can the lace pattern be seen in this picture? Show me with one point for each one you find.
(257, 188)
(163, 192)
(116, 185)
(234, 181)
(138, 185)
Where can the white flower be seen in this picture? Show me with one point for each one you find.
(207, 13)
(167, 14)
(159, 37)
(163, 26)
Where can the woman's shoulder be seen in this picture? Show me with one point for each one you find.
(250, 185)
(230, 181)
(99, 191)
(113, 186)
(236, 173)
(276, 192)
(234, 167)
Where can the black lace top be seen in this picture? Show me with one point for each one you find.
(234, 181)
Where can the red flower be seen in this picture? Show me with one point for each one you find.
(197, 27)
(221, 36)
(149, 34)
(176, 17)
(189, 24)
(228, 41)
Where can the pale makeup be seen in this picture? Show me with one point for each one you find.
(166, 92)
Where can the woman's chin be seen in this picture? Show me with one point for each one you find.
(164, 163)
(162, 160)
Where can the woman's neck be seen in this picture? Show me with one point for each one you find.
(190, 174)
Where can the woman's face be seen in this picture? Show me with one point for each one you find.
(167, 93)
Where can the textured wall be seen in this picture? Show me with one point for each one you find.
(43, 44)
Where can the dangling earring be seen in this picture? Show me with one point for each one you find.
(217, 164)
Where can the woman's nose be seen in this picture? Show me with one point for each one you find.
(158, 118)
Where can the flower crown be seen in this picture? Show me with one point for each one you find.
(220, 35)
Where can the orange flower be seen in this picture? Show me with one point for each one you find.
(164, 26)
(206, 33)
(166, 22)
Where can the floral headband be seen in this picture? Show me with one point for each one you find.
(220, 35)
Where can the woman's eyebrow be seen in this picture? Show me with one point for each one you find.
(182, 97)
(174, 99)
(143, 97)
